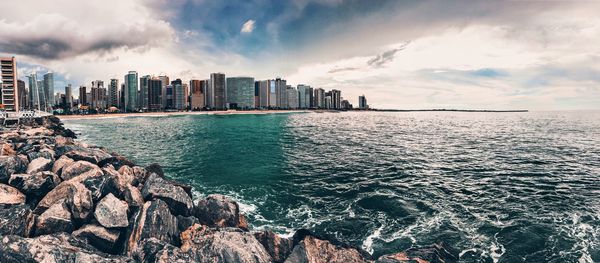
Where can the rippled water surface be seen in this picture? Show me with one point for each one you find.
(500, 187)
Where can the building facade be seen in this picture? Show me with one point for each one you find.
(155, 94)
(131, 91)
(218, 87)
(362, 102)
(9, 93)
(49, 89)
(113, 93)
(143, 94)
(69, 96)
(240, 93)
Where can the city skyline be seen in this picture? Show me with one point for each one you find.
(405, 54)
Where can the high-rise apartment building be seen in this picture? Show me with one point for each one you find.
(9, 92)
(336, 99)
(34, 99)
(197, 90)
(263, 94)
(293, 101)
(178, 94)
(143, 95)
(218, 86)
(281, 91)
(69, 96)
(362, 102)
(163, 89)
(155, 94)
(273, 99)
(319, 98)
(49, 89)
(22, 94)
(240, 92)
(83, 96)
(113, 93)
(131, 91)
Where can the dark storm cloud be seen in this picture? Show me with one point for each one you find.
(46, 48)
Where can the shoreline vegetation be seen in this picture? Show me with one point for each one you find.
(62, 200)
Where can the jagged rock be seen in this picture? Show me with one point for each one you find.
(133, 196)
(279, 248)
(43, 153)
(314, 250)
(111, 212)
(40, 131)
(10, 195)
(140, 175)
(61, 163)
(154, 220)
(7, 149)
(100, 186)
(99, 237)
(39, 165)
(16, 220)
(177, 199)
(152, 250)
(156, 169)
(92, 155)
(219, 211)
(10, 165)
(61, 141)
(126, 174)
(74, 194)
(185, 222)
(437, 253)
(118, 161)
(58, 247)
(34, 185)
(206, 245)
(56, 219)
(81, 169)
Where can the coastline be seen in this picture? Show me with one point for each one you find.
(182, 113)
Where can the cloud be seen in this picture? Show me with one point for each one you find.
(386, 56)
(248, 27)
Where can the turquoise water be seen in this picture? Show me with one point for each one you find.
(500, 187)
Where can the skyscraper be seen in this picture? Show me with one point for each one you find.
(240, 92)
(131, 91)
(178, 94)
(219, 90)
(272, 94)
(281, 91)
(98, 95)
(22, 94)
(83, 96)
(34, 95)
(362, 102)
(197, 94)
(336, 99)
(113, 93)
(69, 96)
(304, 96)
(42, 95)
(263, 93)
(49, 89)
(319, 98)
(9, 92)
(292, 98)
(155, 94)
(163, 89)
(143, 98)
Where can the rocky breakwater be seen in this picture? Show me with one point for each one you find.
(66, 201)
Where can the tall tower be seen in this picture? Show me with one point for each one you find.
(69, 96)
(49, 89)
(219, 90)
(9, 93)
(143, 100)
(131, 91)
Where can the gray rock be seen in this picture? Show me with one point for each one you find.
(154, 220)
(314, 250)
(112, 212)
(77, 197)
(100, 186)
(10, 165)
(185, 222)
(103, 239)
(278, 248)
(56, 219)
(43, 153)
(437, 253)
(219, 211)
(133, 196)
(35, 185)
(39, 165)
(10, 195)
(152, 250)
(92, 155)
(177, 199)
(16, 220)
(80, 169)
(61, 163)
(58, 247)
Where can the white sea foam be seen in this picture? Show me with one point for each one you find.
(368, 243)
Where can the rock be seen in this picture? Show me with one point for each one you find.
(81, 169)
(10, 195)
(56, 219)
(10, 165)
(140, 175)
(61, 163)
(438, 253)
(7, 149)
(133, 196)
(185, 222)
(206, 245)
(112, 212)
(154, 220)
(314, 250)
(34, 185)
(58, 247)
(100, 186)
(126, 174)
(92, 155)
(39, 165)
(16, 220)
(42, 153)
(219, 211)
(40, 131)
(177, 199)
(75, 195)
(119, 161)
(156, 169)
(152, 250)
(103, 239)
(278, 248)
(61, 141)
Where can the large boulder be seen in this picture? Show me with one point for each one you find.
(10, 165)
(177, 199)
(219, 211)
(92, 155)
(43, 153)
(10, 195)
(61, 163)
(39, 165)
(81, 170)
(102, 185)
(152, 250)
(112, 212)
(56, 219)
(99, 237)
(35, 185)
(278, 248)
(77, 197)
(313, 250)
(58, 247)
(16, 220)
(154, 220)
(437, 253)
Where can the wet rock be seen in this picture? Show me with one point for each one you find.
(177, 199)
(55, 219)
(278, 248)
(10, 165)
(81, 169)
(40, 131)
(206, 245)
(314, 250)
(61, 163)
(126, 174)
(140, 175)
(152, 250)
(133, 196)
(62, 141)
(119, 161)
(16, 220)
(58, 247)
(10, 195)
(103, 239)
(219, 211)
(34, 185)
(185, 222)
(437, 253)
(154, 220)
(156, 169)
(111, 212)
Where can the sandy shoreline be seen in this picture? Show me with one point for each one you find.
(159, 114)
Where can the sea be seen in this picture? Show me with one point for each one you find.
(498, 187)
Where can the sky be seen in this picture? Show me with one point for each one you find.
(463, 54)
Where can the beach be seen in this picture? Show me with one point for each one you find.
(178, 113)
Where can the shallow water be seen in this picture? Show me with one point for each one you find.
(500, 187)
